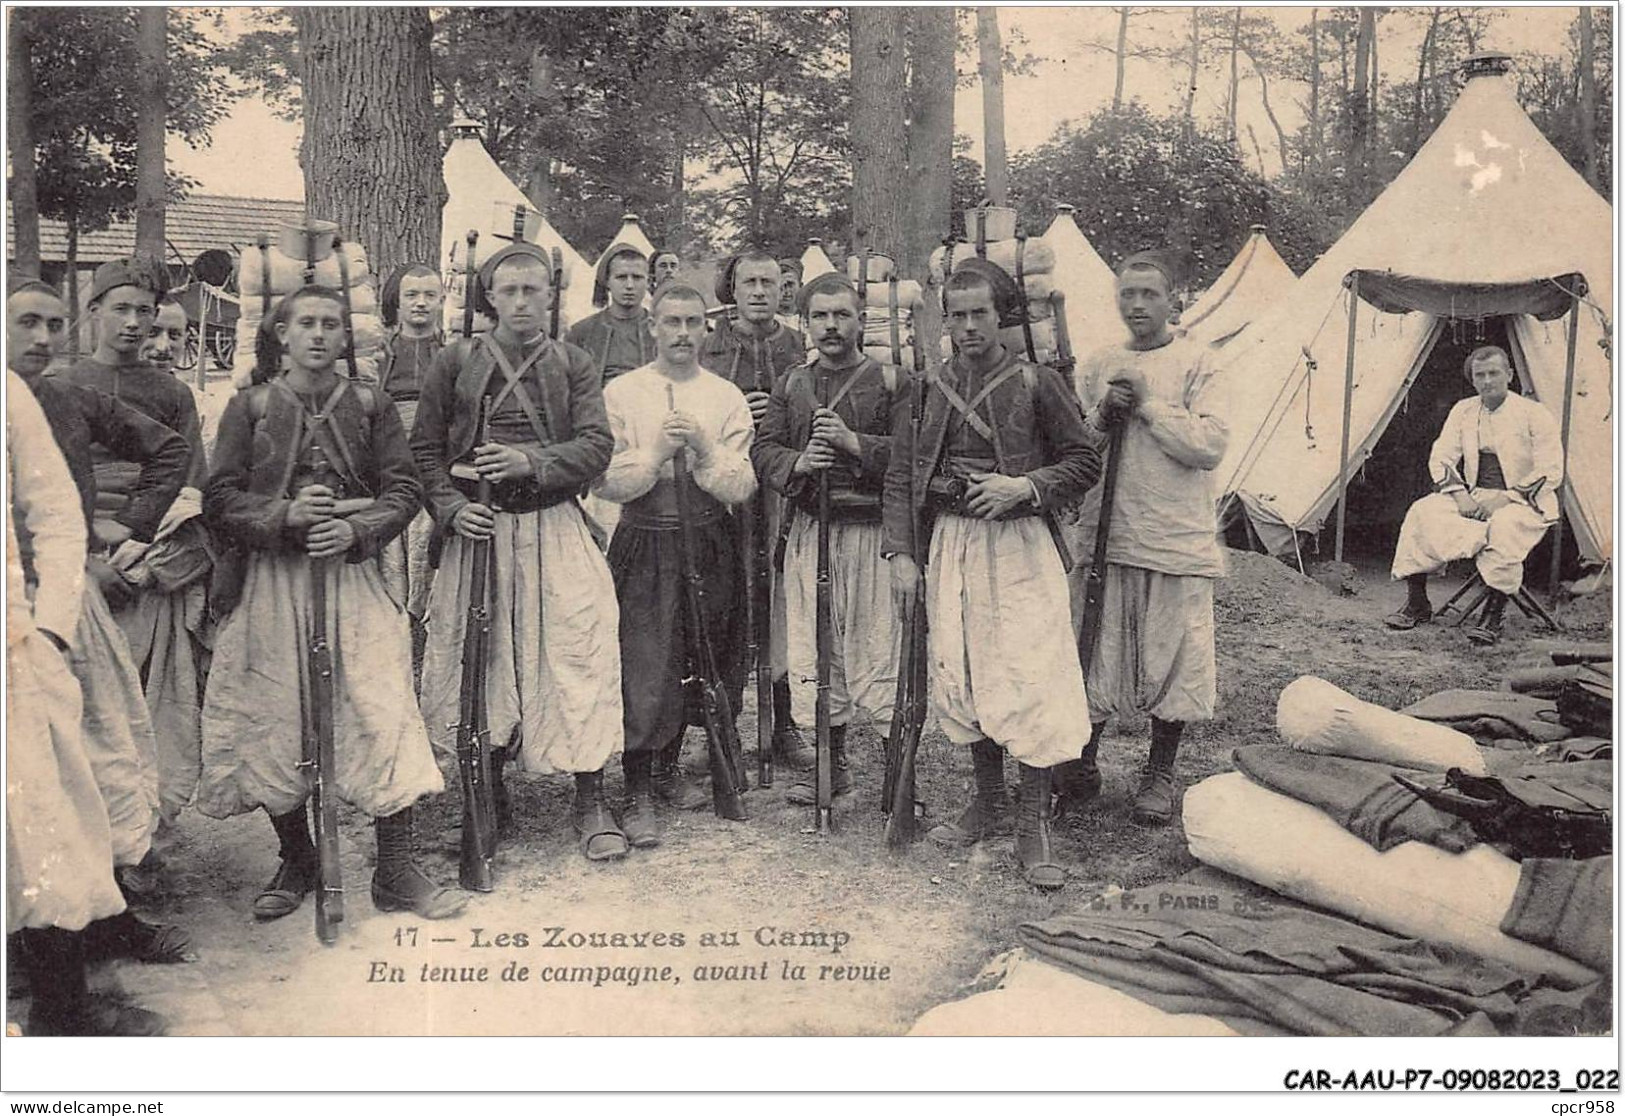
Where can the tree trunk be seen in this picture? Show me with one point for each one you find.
(1193, 70)
(1464, 19)
(1376, 74)
(1315, 133)
(370, 152)
(20, 136)
(1269, 110)
(152, 108)
(1122, 55)
(1588, 98)
(929, 214)
(1418, 105)
(539, 184)
(677, 214)
(879, 147)
(930, 136)
(1235, 78)
(1359, 104)
(990, 52)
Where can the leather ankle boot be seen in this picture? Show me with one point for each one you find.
(638, 819)
(989, 811)
(673, 785)
(296, 875)
(789, 749)
(601, 837)
(1033, 848)
(398, 884)
(1077, 782)
(804, 792)
(1154, 804)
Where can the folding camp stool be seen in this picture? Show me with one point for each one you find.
(1477, 594)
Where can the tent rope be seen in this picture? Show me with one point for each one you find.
(1266, 430)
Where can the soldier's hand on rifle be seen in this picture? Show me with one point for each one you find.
(1118, 403)
(311, 505)
(329, 538)
(111, 533)
(497, 462)
(905, 582)
(818, 455)
(830, 427)
(992, 495)
(115, 590)
(758, 405)
(474, 521)
(679, 430)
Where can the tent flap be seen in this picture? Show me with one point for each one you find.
(1545, 299)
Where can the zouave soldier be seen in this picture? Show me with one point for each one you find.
(672, 406)
(1001, 446)
(553, 677)
(312, 469)
(850, 437)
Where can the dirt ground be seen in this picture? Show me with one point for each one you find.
(918, 927)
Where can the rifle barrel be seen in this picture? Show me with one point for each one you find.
(727, 776)
(825, 632)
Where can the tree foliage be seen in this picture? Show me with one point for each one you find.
(1140, 180)
(83, 109)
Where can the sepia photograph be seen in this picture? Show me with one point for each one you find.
(773, 522)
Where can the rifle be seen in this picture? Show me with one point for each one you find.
(470, 283)
(475, 868)
(722, 736)
(863, 293)
(824, 626)
(897, 800)
(1094, 599)
(896, 334)
(1065, 362)
(1021, 285)
(344, 303)
(758, 621)
(317, 753)
(557, 276)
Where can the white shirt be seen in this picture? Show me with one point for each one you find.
(46, 501)
(638, 403)
(1163, 517)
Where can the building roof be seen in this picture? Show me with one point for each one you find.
(192, 225)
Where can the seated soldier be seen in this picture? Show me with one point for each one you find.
(1496, 468)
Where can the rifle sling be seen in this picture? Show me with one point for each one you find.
(968, 411)
(312, 423)
(516, 388)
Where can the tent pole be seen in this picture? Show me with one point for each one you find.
(1353, 283)
(1568, 412)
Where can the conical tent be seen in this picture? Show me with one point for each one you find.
(1486, 221)
(480, 196)
(631, 232)
(1090, 286)
(1257, 279)
(815, 261)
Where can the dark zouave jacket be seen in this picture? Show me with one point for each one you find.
(869, 407)
(82, 417)
(264, 432)
(749, 362)
(1038, 432)
(156, 394)
(399, 390)
(595, 334)
(563, 388)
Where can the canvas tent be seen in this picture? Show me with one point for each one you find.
(815, 261)
(1090, 285)
(480, 196)
(1257, 279)
(1487, 225)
